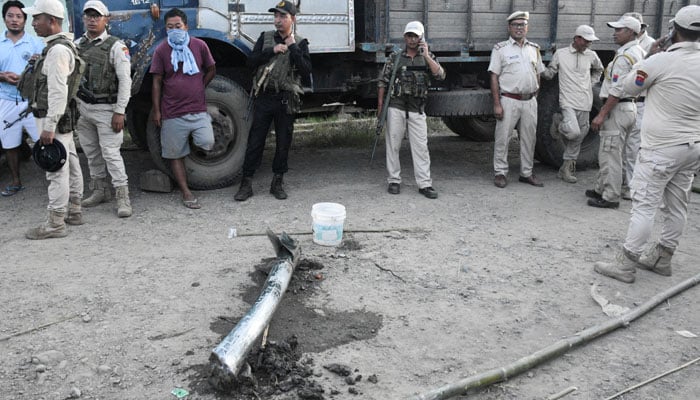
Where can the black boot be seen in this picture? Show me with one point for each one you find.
(246, 189)
(276, 187)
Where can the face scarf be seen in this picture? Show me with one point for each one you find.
(179, 40)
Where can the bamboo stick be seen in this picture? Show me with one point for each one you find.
(640, 384)
(483, 379)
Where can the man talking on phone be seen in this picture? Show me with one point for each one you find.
(406, 107)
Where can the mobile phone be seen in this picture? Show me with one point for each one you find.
(667, 42)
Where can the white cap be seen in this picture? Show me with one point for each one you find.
(636, 16)
(688, 18)
(96, 5)
(519, 15)
(414, 27)
(586, 32)
(51, 7)
(627, 22)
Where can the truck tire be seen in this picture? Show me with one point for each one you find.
(221, 166)
(478, 128)
(549, 150)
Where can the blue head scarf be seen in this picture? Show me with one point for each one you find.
(179, 40)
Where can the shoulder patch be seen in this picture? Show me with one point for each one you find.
(641, 77)
(126, 52)
(500, 45)
(534, 44)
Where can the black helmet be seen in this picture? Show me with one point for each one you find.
(50, 157)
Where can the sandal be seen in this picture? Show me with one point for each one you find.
(192, 204)
(11, 190)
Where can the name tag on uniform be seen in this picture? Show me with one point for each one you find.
(514, 57)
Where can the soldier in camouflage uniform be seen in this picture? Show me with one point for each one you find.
(102, 99)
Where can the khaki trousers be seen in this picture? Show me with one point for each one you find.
(416, 127)
(632, 143)
(662, 178)
(67, 182)
(612, 138)
(573, 128)
(522, 114)
(100, 143)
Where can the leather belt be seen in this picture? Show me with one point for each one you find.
(516, 96)
(89, 100)
(641, 99)
(625, 100)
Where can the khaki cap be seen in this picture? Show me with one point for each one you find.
(96, 5)
(586, 32)
(627, 22)
(636, 16)
(50, 7)
(519, 15)
(688, 18)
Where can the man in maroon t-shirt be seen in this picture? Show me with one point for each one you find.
(182, 67)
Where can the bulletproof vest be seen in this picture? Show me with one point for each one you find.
(283, 76)
(34, 87)
(99, 83)
(412, 79)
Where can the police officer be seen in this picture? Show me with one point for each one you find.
(579, 68)
(633, 139)
(670, 150)
(103, 96)
(49, 87)
(406, 116)
(645, 41)
(515, 70)
(617, 117)
(281, 60)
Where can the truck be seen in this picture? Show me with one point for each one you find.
(349, 42)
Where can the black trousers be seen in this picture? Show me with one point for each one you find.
(269, 108)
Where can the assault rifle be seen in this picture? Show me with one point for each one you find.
(385, 107)
(257, 86)
(22, 115)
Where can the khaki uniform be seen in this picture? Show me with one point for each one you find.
(670, 149)
(99, 142)
(633, 139)
(619, 123)
(518, 68)
(578, 72)
(67, 182)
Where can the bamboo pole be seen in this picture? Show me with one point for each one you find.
(483, 379)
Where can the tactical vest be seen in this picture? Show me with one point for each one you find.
(412, 79)
(99, 84)
(283, 76)
(34, 87)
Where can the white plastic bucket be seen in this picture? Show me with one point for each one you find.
(328, 220)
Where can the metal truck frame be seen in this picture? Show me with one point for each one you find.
(349, 43)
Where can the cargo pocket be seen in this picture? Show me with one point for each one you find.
(609, 141)
(637, 189)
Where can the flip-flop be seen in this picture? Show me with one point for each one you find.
(193, 204)
(11, 190)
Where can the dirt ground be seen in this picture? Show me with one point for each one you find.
(451, 287)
